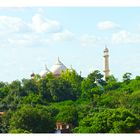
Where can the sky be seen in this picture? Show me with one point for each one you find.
(35, 36)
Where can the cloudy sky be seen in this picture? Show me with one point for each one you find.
(33, 37)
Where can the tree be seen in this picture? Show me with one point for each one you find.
(4, 90)
(10, 102)
(68, 114)
(33, 120)
(30, 85)
(44, 90)
(97, 106)
(112, 83)
(96, 76)
(33, 99)
(60, 90)
(112, 99)
(86, 86)
(19, 131)
(5, 121)
(109, 121)
(74, 79)
(15, 88)
(134, 84)
(91, 85)
(133, 102)
(127, 77)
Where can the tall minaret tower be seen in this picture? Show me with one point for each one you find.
(106, 62)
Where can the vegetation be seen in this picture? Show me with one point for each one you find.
(90, 104)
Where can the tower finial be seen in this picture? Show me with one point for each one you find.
(106, 49)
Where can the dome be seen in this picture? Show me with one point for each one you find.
(44, 72)
(58, 68)
(32, 75)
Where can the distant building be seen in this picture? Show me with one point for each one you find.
(43, 73)
(137, 131)
(62, 127)
(2, 113)
(58, 67)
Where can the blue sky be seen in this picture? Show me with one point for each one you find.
(33, 37)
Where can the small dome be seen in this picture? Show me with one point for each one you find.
(32, 75)
(43, 73)
(58, 68)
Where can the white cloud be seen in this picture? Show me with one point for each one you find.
(27, 40)
(88, 40)
(19, 42)
(39, 31)
(63, 36)
(105, 25)
(11, 24)
(125, 37)
(40, 24)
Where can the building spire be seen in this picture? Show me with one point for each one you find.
(106, 62)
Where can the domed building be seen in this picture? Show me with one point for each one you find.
(44, 72)
(58, 68)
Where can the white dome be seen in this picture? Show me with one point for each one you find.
(44, 72)
(58, 68)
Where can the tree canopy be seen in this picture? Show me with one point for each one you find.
(91, 104)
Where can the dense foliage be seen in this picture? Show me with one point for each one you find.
(90, 104)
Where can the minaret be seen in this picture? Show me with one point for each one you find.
(106, 62)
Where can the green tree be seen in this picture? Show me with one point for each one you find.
(113, 99)
(93, 84)
(127, 77)
(43, 85)
(5, 121)
(96, 76)
(19, 131)
(15, 88)
(109, 121)
(33, 120)
(86, 86)
(68, 114)
(74, 79)
(112, 83)
(133, 102)
(4, 90)
(60, 90)
(33, 99)
(30, 85)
